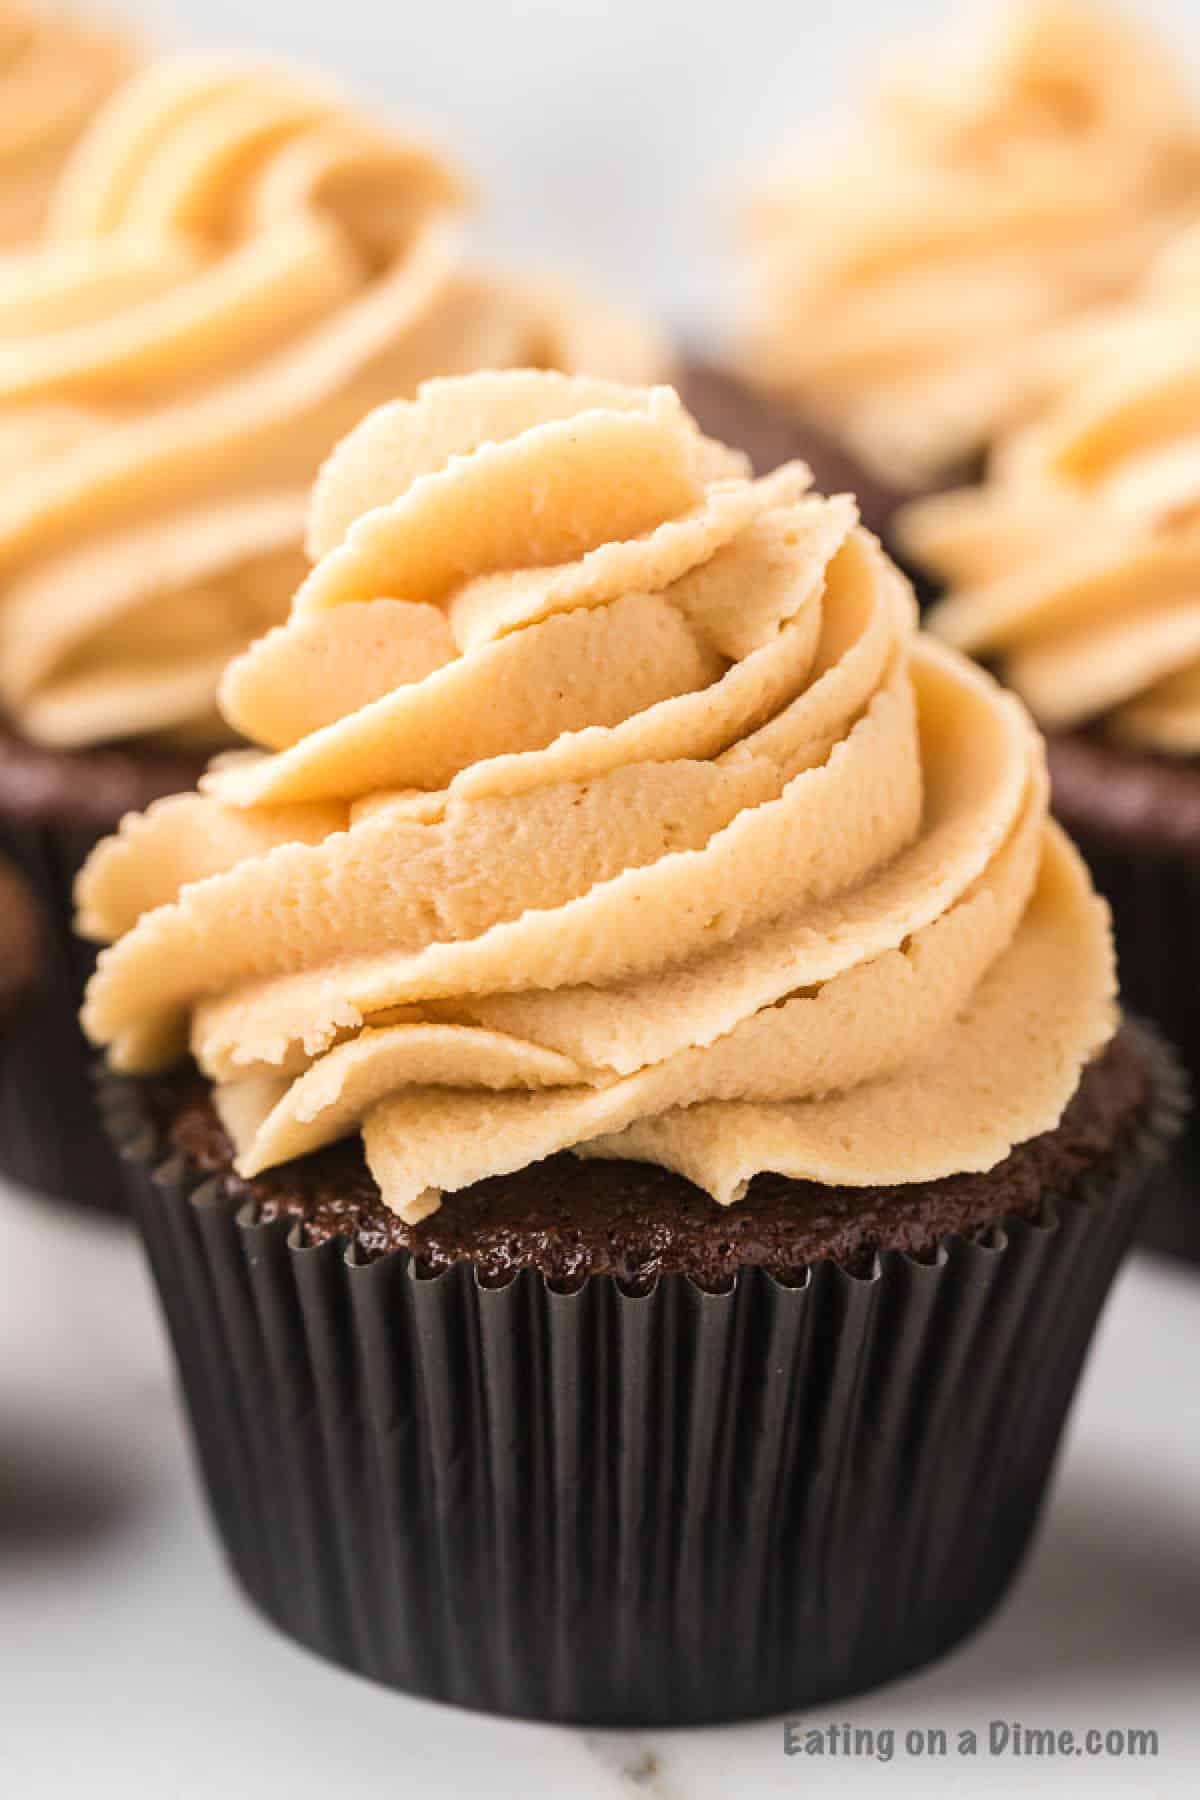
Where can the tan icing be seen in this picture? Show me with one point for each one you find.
(1057, 968)
(149, 605)
(180, 839)
(909, 287)
(452, 900)
(1076, 563)
(1167, 716)
(698, 835)
(57, 67)
(397, 445)
(238, 265)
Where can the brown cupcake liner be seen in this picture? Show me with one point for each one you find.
(672, 1509)
(1155, 900)
(51, 1138)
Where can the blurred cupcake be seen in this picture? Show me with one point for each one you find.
(57, 67)
(900, 285)
(1075, 570)
(659, 1129)
(237, 263)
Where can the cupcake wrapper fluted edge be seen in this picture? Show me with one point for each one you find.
(677, 1508)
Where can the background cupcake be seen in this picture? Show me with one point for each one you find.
(618, 951)
(57, 68)
(900, 284)
(1075, 569)
(238, 261)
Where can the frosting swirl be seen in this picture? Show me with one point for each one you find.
(56, 69)
(1076, 564)
(608, 804)
(238, 264)
(902, 288)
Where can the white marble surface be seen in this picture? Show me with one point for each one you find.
(129, 1665)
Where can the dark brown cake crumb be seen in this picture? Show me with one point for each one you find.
(88, 789)
(1125, 797)
(570, 1218)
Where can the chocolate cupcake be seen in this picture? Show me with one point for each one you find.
(902, 285)
(237, 264)
(1073, 570)
(658, 1133)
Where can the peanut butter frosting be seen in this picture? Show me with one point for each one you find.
(605, 801)
(57, 67)
(1076, 565)
(237, 265)
(903, 285)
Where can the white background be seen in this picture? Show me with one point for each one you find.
(610, 135)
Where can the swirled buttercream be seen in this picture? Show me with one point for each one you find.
(606, 804)
(901, 287)
(237, 265)
(57, 67)
(1076, 564)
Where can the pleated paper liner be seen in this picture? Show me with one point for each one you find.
(51, 1138)
(678, 1508)
(1155, 900)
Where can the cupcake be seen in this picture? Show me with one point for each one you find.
(57, 68)
(1073, 569)
(238, 263)
(900, 286)
(622, 1087)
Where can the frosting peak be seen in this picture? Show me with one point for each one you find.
(607, 804)
(238, 264)
(903, 288)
